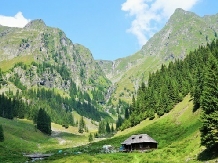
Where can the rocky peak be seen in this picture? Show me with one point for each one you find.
(37, 23)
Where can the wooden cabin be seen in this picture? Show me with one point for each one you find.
(138, 142)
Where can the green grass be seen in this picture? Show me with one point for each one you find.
(177, 134)
(133, 77)
(22, 137)
(8, 64)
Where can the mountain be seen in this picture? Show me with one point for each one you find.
(40, 65)
(45, 45)
(42, 68)
(184, 31)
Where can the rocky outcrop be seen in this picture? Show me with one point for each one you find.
(58, 60)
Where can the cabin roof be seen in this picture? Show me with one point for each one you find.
(142, 138)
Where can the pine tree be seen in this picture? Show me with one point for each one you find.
(112, 128)
(101, 127)
(126, 113)
(81, 127)
(44, 122)
(198, 89)
(108, 130)
(209, 103)
(1, 134)
(91, 138)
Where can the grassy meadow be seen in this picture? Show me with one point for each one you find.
(6, 65)
(177, 134)
(21, 137)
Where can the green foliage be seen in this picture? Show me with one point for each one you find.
(81, 125)
(101, 128)
(177, 134)
(17, 82)
(58, 107)
(44, 122)
(63, 70)
(119, 122)
(107, 128)
(10, 108)
(209, 103)
(170, 84)
(2, 138)
(91, 138)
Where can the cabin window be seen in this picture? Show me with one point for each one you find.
(140, 136)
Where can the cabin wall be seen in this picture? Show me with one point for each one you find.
(140, 146)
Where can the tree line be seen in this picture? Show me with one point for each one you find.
(197, 74)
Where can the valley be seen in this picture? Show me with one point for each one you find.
(55, 98)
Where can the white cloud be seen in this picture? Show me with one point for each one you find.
(17, 21)
(147, 11)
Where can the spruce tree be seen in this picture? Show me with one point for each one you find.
(1, 134)
(126, 113)
(101, 127)
(81, 127)
(198, 89)
(91, 138)
(112, 128)
(108, 130)
(209, 103)
(44, 122)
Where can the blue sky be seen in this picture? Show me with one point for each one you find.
(111, 29)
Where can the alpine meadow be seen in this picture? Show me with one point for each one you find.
(59, 104)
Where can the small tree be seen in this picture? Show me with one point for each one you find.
(108, 130)
(1, 134)
(82, 125)
(112, 128)
(91, 138)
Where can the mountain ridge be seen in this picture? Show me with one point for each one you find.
(46, 44)
(185, 31)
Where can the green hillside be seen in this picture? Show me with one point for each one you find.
(38, 52)
(177, 134)
(40, 58)
(184, 32)
(21, 137)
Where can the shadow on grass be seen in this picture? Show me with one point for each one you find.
(209, 154)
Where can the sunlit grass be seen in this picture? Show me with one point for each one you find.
(177, 134)
(8, 64)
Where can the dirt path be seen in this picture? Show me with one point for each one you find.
(56, 134)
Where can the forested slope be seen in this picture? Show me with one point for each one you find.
(171, 84)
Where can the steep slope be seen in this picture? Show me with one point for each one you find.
(41, 66)
(49, 47)
(184, 32)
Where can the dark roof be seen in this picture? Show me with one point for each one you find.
(142, 138)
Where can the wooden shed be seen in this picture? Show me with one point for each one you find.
(139, 142)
